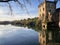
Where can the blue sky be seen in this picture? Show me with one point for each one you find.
(19, 13)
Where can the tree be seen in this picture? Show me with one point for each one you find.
(19, 3)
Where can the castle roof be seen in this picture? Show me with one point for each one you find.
(57, 9)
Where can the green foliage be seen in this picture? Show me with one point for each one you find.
(33, 23)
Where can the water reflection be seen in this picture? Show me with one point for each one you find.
(12, 35)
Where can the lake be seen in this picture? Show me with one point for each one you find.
(14, 35)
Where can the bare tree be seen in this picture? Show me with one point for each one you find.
(20, 4)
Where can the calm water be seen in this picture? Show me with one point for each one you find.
(12, 35)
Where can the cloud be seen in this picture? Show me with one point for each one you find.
(15, 17)
(18, 13)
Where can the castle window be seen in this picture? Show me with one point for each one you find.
(43, 14)
(43, 9)
(43, 42)
(44, 26)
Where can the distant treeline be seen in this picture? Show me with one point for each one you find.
(5, 22)
(33, 23)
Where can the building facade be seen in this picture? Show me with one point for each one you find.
(50, 19)
(46, 11)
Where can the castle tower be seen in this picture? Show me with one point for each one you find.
(46, 12)
(48, 17)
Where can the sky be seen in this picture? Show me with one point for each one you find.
(18, 12)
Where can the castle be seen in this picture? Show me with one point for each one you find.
(50, 19)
